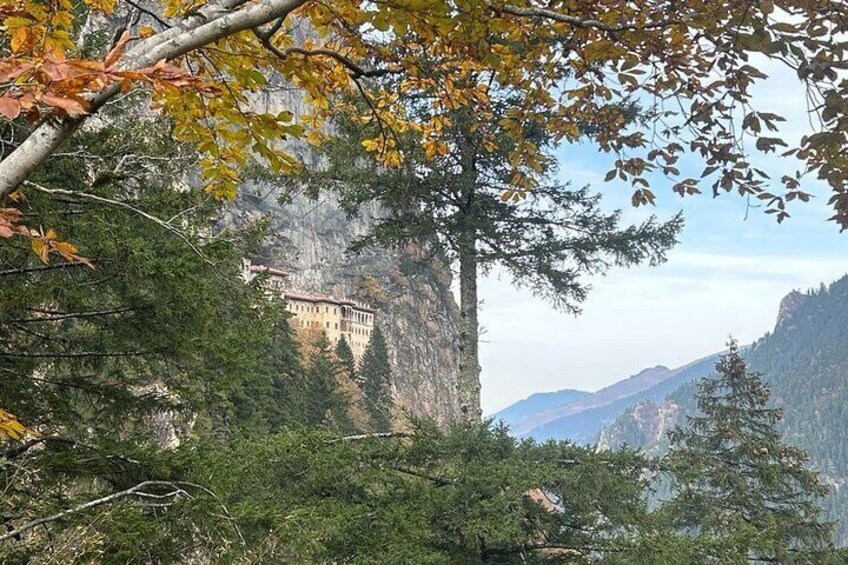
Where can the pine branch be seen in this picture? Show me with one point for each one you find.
(136, 491)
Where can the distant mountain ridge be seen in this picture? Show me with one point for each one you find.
(584, 426)
(515, 415)
(580, 416)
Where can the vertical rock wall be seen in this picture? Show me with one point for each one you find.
(417, 311)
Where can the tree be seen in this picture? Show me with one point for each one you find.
(161, 343)
(376, 378)
(345, 356)
(469, 495)
(325, 404)
(548, 241)
(738, 490)
(578, 62)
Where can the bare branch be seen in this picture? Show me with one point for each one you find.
(581, 22)
(362, 437)
(56, 316)
(120, 204)
(26, 270)
(136, 491)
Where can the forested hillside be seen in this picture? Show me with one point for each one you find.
(805, 362)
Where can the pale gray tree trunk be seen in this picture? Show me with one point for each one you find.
(468, 383)
(211, 23)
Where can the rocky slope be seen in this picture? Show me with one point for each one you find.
(309, 238)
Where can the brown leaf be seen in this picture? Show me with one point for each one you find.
(10, 107)
(71, 106)
(118, 51)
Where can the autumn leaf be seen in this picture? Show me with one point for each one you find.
(11, 428)
(71, 106)
(9, 107)
(105, 6)
(118, 51)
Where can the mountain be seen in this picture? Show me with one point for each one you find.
(516, 415)
(583, 421)
(805, 362)
(554, 410)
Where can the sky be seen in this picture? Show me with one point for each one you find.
(725, 277)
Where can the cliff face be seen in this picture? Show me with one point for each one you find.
(417, 312)
(790, 306)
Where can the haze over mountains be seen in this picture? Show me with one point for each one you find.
(580, 416)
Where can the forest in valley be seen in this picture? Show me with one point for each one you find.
(157, 407)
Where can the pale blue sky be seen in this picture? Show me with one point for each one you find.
(727, 276)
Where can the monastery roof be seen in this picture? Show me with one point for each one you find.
(327, 299)
(269, 270)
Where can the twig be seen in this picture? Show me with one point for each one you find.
(120, 204)
(137, 491)
(356, 71)
(56, 316)
(26, 270)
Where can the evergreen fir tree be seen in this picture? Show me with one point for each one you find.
(460, 205)
(741, 493)
(375, 375)
(325, 405)
(345, 356)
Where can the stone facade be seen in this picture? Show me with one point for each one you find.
(336, 317)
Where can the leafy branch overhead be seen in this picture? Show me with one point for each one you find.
(692, 63)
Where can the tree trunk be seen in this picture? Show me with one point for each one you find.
(468, 384)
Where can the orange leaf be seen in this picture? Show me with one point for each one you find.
(22, 39)
(10, 107)
(118, 51)
(71, 106)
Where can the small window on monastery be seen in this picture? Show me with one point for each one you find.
(328, 325)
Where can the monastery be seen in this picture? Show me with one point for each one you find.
(337, 317)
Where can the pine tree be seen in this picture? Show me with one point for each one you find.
(375, 375)
(345, 356)
(739, 492)
(326, 405)
(460, 204)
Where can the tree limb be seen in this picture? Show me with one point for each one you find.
(120, 204)
(210, 23)
(56, 316)
(137, 490)
(356, 70)
(581, 22)
(361, 437)
(26, 270)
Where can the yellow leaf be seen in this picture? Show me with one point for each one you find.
(11, 429)
(105, 6)
(39, 247)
